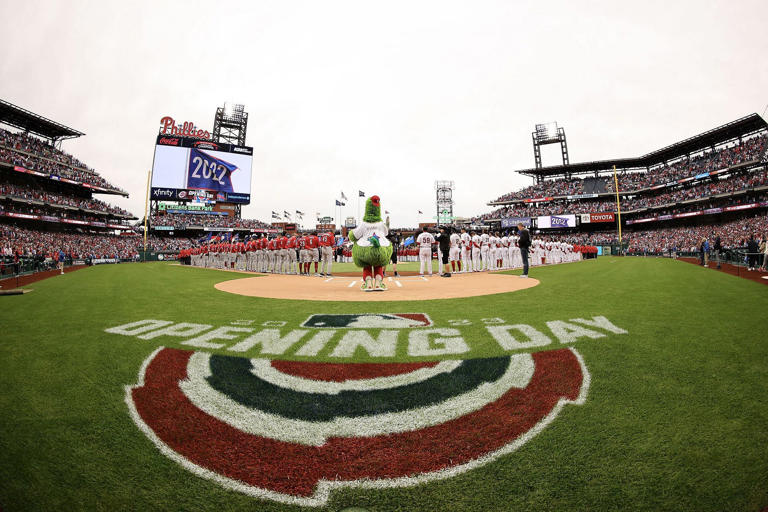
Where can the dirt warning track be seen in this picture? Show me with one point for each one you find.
(347, 288)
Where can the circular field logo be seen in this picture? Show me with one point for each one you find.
(294, 431)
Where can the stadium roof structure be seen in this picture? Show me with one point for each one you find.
(745, 126)
(21, 118)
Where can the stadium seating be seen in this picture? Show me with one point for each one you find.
(33, 154)
(751, 149)
(222, 221)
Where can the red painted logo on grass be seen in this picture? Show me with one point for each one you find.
(294, 431)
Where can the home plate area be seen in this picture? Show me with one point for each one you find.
(347, 287)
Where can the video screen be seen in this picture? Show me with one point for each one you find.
(183, 164)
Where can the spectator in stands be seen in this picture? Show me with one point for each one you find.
(753, 250)
(718, 246)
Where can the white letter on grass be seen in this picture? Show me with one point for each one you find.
(221, 333)
(508, 342)
(316, 343)
(568, 333)
(418, 342)
(601, 322)
(270, 341)
(182, 330)
(384, 346)
(139, 327)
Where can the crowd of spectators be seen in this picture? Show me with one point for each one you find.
(558, 207)
(19, 242)
(750, 149)
(733, 234)
(34, 154)
(221, 221)
(22, 242)
(28, 192)
(56, 213)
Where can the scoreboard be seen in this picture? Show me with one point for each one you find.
(187, 168)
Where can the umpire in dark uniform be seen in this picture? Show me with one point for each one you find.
(525, 244)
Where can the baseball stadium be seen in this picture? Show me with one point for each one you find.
(264, 313)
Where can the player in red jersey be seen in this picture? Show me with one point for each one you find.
(303, 255)
(291, 247)
(327, 243)
(313, 244)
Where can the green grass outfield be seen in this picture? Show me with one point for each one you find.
(676, 417)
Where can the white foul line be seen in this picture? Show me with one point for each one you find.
(424, 278)
(350, 285)
(329, 279)
(398, 283)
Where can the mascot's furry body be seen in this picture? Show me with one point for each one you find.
(371, 250)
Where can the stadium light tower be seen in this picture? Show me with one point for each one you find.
(230, 124)
(444, 201)
(548, 133)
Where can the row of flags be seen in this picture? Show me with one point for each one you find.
(286, 215)
(339, 202)
(360, 193)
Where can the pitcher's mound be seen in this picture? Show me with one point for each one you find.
(343, 288)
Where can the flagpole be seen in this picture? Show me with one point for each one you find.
(146, 207)
(618, 204)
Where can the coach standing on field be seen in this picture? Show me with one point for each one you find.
(524, 243)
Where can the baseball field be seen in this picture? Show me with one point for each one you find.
(611, 384)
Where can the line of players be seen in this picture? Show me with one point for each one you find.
(293, 255)
(483, 251)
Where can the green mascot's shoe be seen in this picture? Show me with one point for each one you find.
(367, 285)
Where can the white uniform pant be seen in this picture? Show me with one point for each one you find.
(425, 258)
(326, 255)
(484, 256)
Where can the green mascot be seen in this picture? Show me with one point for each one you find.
(371, 250)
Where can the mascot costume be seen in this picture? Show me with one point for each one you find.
(371, 250)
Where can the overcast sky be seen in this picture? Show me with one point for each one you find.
(383, 97)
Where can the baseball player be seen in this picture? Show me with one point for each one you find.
(466, 250)
(505, 251)
(313, 244)
(327, 243)
(425, 241)
(454, 253)
(476, 251)
(303, 255)
(484, 248)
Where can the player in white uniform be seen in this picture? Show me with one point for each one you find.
(505, 252)
(466, 250)
(425, 241)
(484, 247)
(476, 250)
(491, 251)
(454, 253)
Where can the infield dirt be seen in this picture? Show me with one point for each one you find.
(346, 288)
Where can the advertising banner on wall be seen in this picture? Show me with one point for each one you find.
(511, 222)
(556, 221)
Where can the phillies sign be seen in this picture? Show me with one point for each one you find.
(168, 126)
(294, 431)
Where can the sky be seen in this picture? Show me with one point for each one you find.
(383, 97)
